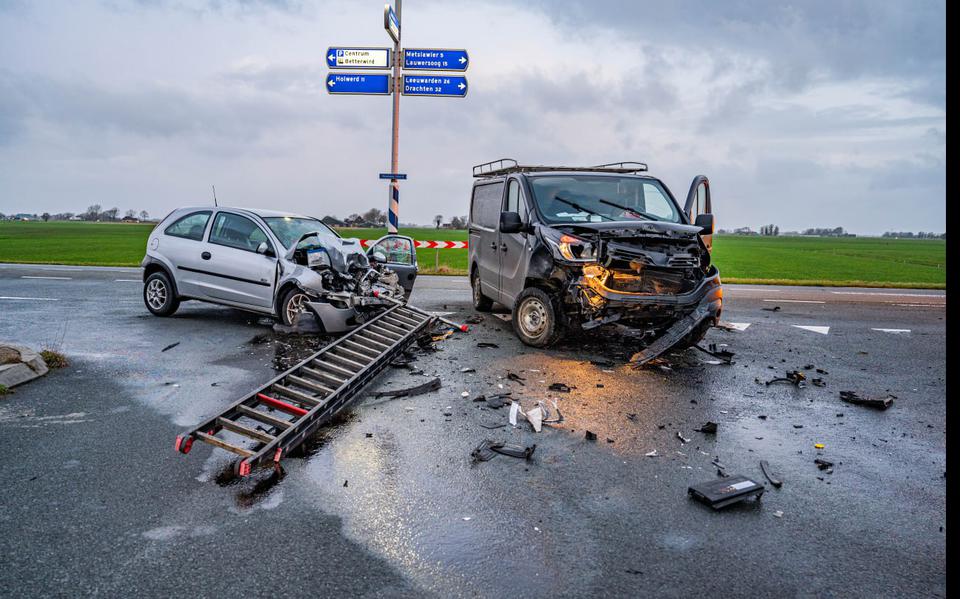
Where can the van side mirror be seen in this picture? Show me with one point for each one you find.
(705, 222)
(264, 249)
(510, 222)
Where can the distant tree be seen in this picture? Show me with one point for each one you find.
(92, 213)
(130, 214)
(458, 222)
(438, 219)
(353, 220)
(144, 215)
(109, 214)
(776, 230)
(3, 216)
(45, 216)
(374, 216)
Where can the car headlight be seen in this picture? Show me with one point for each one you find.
(318, 258)
(573, 249)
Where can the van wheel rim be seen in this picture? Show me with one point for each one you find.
(533, 317)
(156, 294)
(295, 307)
(476, 290)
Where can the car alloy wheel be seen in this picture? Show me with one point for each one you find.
(296, 304)
(157, 294)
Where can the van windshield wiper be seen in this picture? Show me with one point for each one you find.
(577, 206)
(646, 215)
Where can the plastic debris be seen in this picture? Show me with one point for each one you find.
(773, 309)
(427, 387)
(652, 454)
(794, 377)
(880, 403)
(171, 346)
(590, 436)
(823, 464)
(486, 344)
(819, 445)
(722, 492)
(765, 468)
(560, 387)
(725, 356)
(710, 428)
(516, 378)
(682, 438)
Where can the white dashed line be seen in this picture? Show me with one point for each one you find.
(888, 293)
(813, 329)
(894, 331)
(792, 301)
(930, 305)
(29, 299)
(126, 280)
(50, 278)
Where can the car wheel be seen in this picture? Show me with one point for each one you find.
(159, 296)
(293, 304)
(481, 302)
(535, 318)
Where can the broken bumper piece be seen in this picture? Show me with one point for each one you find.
(707, 310)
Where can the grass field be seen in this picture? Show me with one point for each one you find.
(858, 261)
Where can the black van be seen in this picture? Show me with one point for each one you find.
(573, 248)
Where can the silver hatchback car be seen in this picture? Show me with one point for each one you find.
(274, 263)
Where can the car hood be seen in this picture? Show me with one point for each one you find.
(631, 229)
(343, 252)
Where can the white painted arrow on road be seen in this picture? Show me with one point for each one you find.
(814, 329)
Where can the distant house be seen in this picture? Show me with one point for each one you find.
(130, 219)
(331, 221)
(23, 216)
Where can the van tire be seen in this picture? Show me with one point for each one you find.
(481, 303)
(159, 295)
(535, 318)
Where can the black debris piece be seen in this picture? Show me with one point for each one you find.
(369, 435)
(431, 385)
(880, 403)
(721, 354)
(823, 464)
(683, 439)
(480, 398)
(259, 339)
(488, 450)
(602, 363)
(818, 382)
(794, 377)
(403, 362)
(773, 309)
(762, 417)
(722, 492)
(498, 401)
(765, 468)
(475, 319)
(599, 385)
(808, 367)
(590, 436)
(560, 387)
(709, 428)
(492, 426)
(822, 371)
(484, 451)
(467, 369)
(512, 376)
(632, 417)
(344, 483)
(486, 344)
(171, 346)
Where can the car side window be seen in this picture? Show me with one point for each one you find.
(656, 203)
(485, 211)
(397, 250)
(190, 226)
(233, 230)
(514, 201)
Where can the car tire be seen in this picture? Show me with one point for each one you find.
(289, 311)
(535, 318)
(481, 303)
(159, 296)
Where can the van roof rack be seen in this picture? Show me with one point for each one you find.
(505, 166)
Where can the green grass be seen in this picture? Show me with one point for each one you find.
(856, 261)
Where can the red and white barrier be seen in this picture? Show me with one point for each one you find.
(440, 245)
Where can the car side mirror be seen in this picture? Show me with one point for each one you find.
(264, 249)
(705, 222)
(510, 222)
(378, 257)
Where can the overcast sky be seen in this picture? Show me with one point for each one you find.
(803, 114)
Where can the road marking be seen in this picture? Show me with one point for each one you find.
(441, 313)
(35, 299)
(930, 305)
(888, 293)
(126, 280)
(50, 278)
(894, 331)
(792, 301)
(814, 329)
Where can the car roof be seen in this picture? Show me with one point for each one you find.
(560, 172)
(261, 212)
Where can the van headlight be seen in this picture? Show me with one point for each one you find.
(571, 248)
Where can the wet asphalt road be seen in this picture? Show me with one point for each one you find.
(97, 502)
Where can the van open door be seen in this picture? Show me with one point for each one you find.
(699, 210)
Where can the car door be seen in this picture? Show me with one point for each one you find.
(513, 246)
(233, 271)
(181, 244)
(698, 203)
(484, 236)
(400, 255)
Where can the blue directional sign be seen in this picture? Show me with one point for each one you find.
(358, 84)
(397, 176)
(435, 59)
(358, 58)
(391, 23)
(435, 85)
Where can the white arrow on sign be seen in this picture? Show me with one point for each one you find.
(463, 59)
(331, 83)
(461, 86)
(331, 58)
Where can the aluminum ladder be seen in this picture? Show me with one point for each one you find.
(276, 417)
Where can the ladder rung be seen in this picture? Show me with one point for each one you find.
(312, 385)
(396, 322)
(413, 314)
(359, 348)
(335, 380)
(246, 431)
(264, 417)
(301, 397)
(347, 361)
(393, 328)
(335, 369)
(370, 334)
(372, 330)
(353, 353)
(223, 445)
(407, 319)
(281, 405)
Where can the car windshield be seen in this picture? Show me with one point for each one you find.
(289, 229)
(594, 199)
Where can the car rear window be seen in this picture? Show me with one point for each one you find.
(190, 226)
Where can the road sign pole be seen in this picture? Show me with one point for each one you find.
(393, 206)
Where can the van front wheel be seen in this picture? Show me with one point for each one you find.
(535, 318)
(481, 302)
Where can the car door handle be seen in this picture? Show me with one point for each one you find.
(493, 245)
(205, 255)
(503, 247)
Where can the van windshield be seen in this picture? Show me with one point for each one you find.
(593, 198)
(289, 229)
